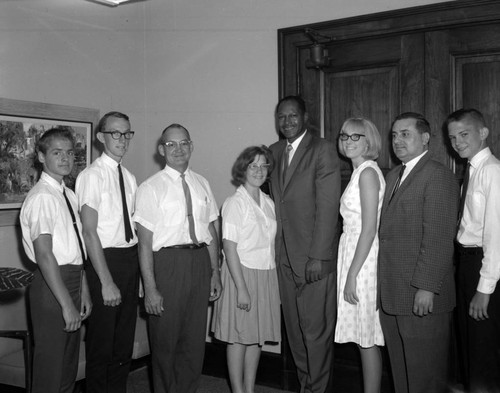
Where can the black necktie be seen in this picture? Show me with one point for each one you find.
(80, 244)
(401, 171)
(189, 210)
(286, 161)
(128, 229)
(465, 184)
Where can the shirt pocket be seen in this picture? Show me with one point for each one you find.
(201, 209)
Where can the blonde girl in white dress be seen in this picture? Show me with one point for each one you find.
(360, 205)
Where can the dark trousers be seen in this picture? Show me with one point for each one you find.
(55, 355)
(418, 351)
(177, 337)
(479, 341)
(110, 330)
(309, 312)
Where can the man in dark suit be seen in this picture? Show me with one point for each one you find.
(416, 284)
(306, 188)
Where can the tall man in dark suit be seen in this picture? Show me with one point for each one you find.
(306, 190)
(416, 284)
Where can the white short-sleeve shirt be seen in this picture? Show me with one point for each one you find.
(252, 227)
(98, 187)
(161, 208)
(45, 212)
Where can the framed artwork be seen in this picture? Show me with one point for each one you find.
(22, 123)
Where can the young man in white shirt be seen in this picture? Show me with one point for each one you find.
(106, 196)
(59, 298)
(478, 251)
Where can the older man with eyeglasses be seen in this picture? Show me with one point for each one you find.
(176, 218)
(106, 193)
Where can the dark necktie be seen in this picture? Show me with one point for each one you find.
(80, 244)
(463, 195)
(286, 161)
(398, 182)
(189, 209)
(128, 229)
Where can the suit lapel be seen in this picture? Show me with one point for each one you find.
(301, 150)
(278, 172)
(406, 183)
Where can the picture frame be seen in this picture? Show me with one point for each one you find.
(21, 125)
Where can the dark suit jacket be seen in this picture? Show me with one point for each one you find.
(416, 235)
(307, 205)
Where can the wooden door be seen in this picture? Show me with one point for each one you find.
(373, 78)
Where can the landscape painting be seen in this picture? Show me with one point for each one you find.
(19, 170)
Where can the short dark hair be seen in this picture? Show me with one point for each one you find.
(245, 158)
(51, 134)
(174, 125)
(421, 123)
(467, 113)
(104, 119)
(297, 99)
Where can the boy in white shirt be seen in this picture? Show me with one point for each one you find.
(59, 299)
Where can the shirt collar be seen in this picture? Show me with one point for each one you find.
(480, 157)
(52, 182)
(175, 174)
(109, 161)
(414, 161)
(295, 144)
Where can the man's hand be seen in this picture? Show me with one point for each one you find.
(86, 302)
(72, 318)
(215, 285)
(478, 308)
(313, 270)
(111, 295)
(423, 303)
(153, 301)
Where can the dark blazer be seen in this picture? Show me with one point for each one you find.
(417, 229)
(307, 204)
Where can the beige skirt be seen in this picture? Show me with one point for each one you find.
(262, 322)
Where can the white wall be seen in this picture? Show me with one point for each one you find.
(209, 65)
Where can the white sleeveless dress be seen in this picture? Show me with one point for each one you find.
(358, 323)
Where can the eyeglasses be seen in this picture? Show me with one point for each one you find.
(354, 137)
(118, 134)
(184, 144)
(255, 167)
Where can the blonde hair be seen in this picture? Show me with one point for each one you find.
(365, 127)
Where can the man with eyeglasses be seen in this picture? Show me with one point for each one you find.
(306, 190)
(176, 218)
(106, 196)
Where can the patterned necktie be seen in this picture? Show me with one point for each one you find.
(401, 172)
(465, 185)
(286, 160)
(189, 208)
(80, 244)
(128, 229)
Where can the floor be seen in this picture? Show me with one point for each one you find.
(347, 379)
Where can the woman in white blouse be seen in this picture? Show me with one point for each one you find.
(247, 313)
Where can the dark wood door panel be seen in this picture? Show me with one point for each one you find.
(371, 93)
(477, 85)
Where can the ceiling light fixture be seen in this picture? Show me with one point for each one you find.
(114, 3)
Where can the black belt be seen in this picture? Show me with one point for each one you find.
(189, 246)
(469, 250)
